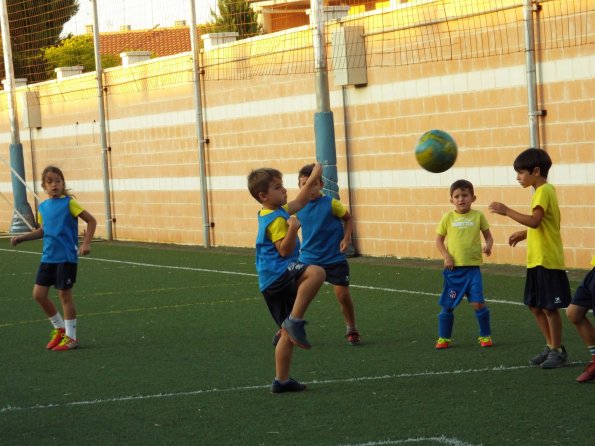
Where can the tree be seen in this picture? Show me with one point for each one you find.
(238, 16)
(72, 51)
(35, 24)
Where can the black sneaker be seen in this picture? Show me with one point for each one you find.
(297, 332)
(276, 337)
(290, 386)
(541, 357)
(555, 359)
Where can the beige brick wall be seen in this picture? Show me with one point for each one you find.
(268, 121)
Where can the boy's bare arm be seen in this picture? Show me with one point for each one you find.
(347, 231)
(532, 221)
(85, 247)
(286, 245)
(33, 235)
(449, 262)
(301, 199)
(487, 235)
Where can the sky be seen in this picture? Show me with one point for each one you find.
(139, 14)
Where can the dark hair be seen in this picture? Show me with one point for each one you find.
(57, 171)
(462, 184)
(532, 158)
(260, 179)
(306, 171)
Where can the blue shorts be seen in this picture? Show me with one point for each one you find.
(61, 275)
(280, 295)
(460, 282)
(584, 296)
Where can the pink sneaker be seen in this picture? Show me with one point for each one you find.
(55, 338)
(66, 344)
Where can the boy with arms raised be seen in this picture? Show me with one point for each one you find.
(546, 286)
(287, 285)
(326, 235)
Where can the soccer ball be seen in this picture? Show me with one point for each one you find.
(436, 151)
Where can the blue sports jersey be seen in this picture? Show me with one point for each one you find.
(322, 233)
(60, 231)
(270, 265)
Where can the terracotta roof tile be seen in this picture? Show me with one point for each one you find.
(160, 41)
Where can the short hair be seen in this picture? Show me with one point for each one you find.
(260, 179)
(306, 171)
(462, 184)
(532, 158)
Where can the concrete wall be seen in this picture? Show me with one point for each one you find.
(267, 120)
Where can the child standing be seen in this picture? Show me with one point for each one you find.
(463, 256)
(584, 298)
(58, 218)
(546, 286)
(287, 285)
(324, 242)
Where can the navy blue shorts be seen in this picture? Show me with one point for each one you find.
(337, 273)
(61, 275)
(584, 295)
(280, 295)
(460, 282)
(548, 289)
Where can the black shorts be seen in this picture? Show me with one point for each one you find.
(280, 295)
(548, 289)
(61, 275)
(584, 295)
(337, 273)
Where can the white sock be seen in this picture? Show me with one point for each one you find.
(57, 320)
(70, 328)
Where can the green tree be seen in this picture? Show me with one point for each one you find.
(72, 51)
(35, 24)
(238, 16)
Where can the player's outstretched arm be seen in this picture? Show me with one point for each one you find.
(33, 235)
(302, 199)
(532, 221)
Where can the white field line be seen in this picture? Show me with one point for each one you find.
(236, 273)
(10, 408)
(438, 440)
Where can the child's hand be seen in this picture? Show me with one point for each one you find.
(487, 250)
(344, 245)
(316, 170)
(294, 223)
(84, 249)
(449, 263)
(498, 208)
(517, 237)
(15, 241)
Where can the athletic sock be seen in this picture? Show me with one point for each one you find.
(293, 318)
(281, 382)
(351, 329)
(592, 351)
(483, 319)
(445, 322)
(70, 328)
(57, 321)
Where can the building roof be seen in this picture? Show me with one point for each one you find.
(159, 41)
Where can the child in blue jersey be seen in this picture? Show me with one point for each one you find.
(584, 299)
(287, 285)
(462, 254)
(546, 286)
(326, 235)
(58, 218)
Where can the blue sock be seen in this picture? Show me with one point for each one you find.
(445, 322)
(483, 319)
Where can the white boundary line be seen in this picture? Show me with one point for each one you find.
(438, 440)
(8, 408)
(235, 273)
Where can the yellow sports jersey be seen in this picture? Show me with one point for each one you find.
(74, 207)
(277, 230)
(463, 240)
(544, 243)
(593, 261)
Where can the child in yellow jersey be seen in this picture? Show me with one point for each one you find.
(462, 254)
(584, 298)
(546, 287)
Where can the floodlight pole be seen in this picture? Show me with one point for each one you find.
(199, 126)
(324, 127)
(102, 131)
(22, 219)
